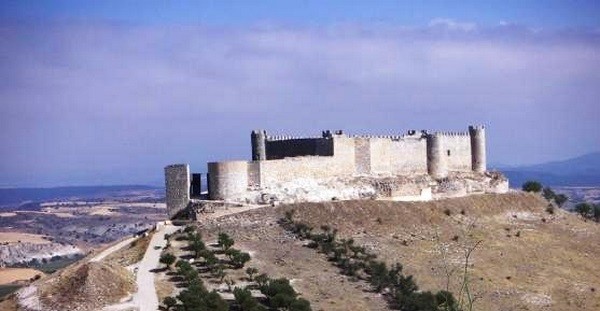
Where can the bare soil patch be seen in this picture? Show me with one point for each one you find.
(528, 259)
(10, 275)
(132, 253)
(19, 237)
(88, 286)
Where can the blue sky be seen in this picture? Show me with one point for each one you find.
(109, 92)
(549, 13)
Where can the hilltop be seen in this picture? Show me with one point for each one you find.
(579, 171)
(528, 257)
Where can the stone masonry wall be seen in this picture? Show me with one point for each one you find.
(279, 149)
(457, 148)
(409, 156)
(177, 185)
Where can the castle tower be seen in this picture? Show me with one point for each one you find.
(177, 184)
(259, 148)
(478, 156)
(436, 160)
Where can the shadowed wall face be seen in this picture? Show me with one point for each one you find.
(177, 184)
(279, 149)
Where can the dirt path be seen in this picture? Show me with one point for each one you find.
(103, 254)
(230, 210)
(145, 299)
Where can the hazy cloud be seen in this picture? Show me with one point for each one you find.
(113, 103)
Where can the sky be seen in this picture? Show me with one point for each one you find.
(109, 92)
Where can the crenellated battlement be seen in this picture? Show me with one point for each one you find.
(335, 155)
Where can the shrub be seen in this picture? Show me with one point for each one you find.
(550, 209)
(584, 209)
(224, 241)
(251, 272)
(169, 303)
(300, 304)
(244, 299)
(167, 259)
(261, 280)
(548, 194)
(532, 186)
(237, 258)
(560, 199)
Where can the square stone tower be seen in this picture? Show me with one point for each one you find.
(177, 184)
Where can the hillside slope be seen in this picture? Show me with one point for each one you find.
(580, 171)
(528, 259)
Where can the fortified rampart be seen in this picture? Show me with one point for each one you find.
(286, 168)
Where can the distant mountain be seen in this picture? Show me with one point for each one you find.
(15, 196)
(579, 171)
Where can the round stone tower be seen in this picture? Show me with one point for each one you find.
(436, 160)
(478, 157)
(259, 148)
(228, 180)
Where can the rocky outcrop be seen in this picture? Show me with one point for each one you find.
(25, 252)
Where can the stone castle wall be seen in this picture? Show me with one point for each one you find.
(177, 185)
(290, 162)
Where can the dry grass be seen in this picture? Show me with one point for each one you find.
(164, 288)
(16, 237)
(528, 259)
(132, 253)
(10, 275)
(9, 304)
(88, 286)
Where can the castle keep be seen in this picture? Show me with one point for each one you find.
(418, 165)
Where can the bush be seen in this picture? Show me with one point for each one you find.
(244, 299)
(169, 303)
(532, 186)
(584, 209)
(224, 241)
(300, 304)
(167, 259)
(548, 194)
(251, 272)
(237, 258)
(560, 199)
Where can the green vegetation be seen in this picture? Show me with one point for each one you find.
(225, 242)
(167, 259)
(401, 291)
(532, 186)
(279, 293)
(588, 211)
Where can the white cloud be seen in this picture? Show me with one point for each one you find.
(118, 97)
(452, 25)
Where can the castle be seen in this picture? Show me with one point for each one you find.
(418, 165)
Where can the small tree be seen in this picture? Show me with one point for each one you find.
(251, 272)
(224, 241)
(596, 213)
(560, 199)
(584, 209)
(169, 303)
(262, 279)
(300, 304)
(548, 193)
(167, 259)
(244, 299)
(532, 186)
(238, 258)
(197, 246)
